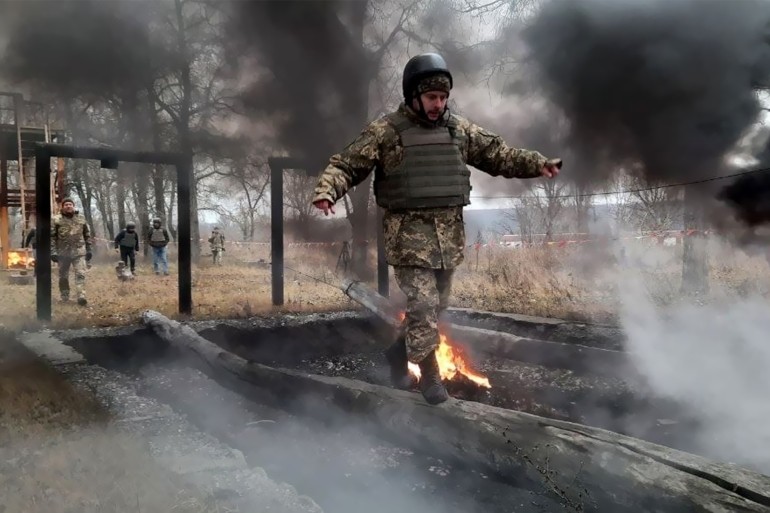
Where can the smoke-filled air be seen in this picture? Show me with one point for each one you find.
(384, 255)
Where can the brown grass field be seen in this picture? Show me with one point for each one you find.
(575, 282)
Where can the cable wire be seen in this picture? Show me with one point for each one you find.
(634, 191)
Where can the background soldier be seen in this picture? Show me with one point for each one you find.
(217, 241)
(423, 218)
(128, 243)
(158, 239)
(71, 247)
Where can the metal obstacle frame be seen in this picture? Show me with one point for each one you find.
(110, 158)
(278, 165)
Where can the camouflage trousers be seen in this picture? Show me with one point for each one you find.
(427, 296)
(78, 264)
(217, 254)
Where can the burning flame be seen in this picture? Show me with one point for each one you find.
(19, 259)
(451, 362)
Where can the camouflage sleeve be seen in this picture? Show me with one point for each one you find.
(352, 165)
(54, 235)
(489, 153)
(87, 236)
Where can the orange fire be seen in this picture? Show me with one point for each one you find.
(19, 259)
(451, 362)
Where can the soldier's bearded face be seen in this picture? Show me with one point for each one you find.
(434, 103)
(68, 208)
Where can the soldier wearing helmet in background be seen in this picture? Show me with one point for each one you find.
(71, 248)
(128, 243)
(158, 239)
(419, 155)
(217, 242)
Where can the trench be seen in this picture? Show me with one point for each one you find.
(352, 348)
(316, 456)
(334, 462)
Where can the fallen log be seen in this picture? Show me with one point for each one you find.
(575, 357)
(587, 469)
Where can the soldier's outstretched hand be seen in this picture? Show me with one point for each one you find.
(325, 205)
(551, 168)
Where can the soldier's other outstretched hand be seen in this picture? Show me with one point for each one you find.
(551, 168)
(325, 205)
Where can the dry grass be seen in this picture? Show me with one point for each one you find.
(575, 282)
(58, 452)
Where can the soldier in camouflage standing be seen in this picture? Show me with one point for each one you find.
(71, 248)
(217, 242)
(419, 155)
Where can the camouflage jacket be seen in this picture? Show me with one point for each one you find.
(217, 240)
(433, 238)
(70, 236)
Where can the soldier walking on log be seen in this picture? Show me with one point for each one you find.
(419, 155)
(71, 248)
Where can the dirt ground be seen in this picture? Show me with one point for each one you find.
(58, 451)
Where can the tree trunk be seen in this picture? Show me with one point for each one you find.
(120, 199)
(583, 468)
(359, 221)
(695, 266)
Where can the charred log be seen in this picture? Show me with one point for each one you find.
(588, 469)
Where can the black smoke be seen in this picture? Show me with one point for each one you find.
(668, 84)
(313, 71)
(78, 47)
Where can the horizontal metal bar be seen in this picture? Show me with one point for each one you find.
(78, 152)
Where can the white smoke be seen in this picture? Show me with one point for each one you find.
(714, 359)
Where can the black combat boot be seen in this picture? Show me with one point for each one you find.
(432, 388)
(399, 365)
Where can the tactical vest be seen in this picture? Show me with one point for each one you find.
(432, 173)
(216, 239)
(157, 235)
(129, 240)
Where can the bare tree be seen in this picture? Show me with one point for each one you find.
(249, 180)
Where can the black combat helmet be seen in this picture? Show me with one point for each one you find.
(421, 66)
(130, 225)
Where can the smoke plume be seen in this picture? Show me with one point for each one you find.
(312, 74)
(712, 359)
(78, 47)
(669, 84)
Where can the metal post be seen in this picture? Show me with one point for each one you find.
(43, 224)
(184, 216)
(382, 264)
(5, 227)
(276, 231)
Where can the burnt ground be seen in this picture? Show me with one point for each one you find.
(554, 330)
(335, 462)
(60, 449)
(352, 348)
(338, 465)
(342, 468)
